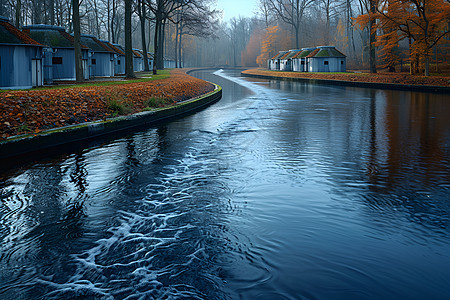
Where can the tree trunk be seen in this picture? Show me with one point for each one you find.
(113, 36)
(37, 12)
(77, 42)
(52, 12)
(372, 38)
(18, 12)
(155, 43)
(108, 22)
(160, 56)
(142, 17)
(180, 46)
(2, 8)
(129, 73)
(97, 18)
(177, 29)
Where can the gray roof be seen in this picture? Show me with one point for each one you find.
(51, 36)
(280, 54)
(94, 44)
(13, 36)
(328, 51)
(291, 54)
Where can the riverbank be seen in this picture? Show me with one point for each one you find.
(379, 80)
(31, 112)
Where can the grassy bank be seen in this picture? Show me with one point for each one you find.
(32, 111)
(390, 78)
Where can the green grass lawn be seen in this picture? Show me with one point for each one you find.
(141, 77)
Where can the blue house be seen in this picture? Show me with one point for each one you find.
(119, 59)
(138, 61)
(102, 57)
(150, 57)
(20, 58)
(59, 52)
(169, 63)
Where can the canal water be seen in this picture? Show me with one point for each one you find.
(281, 190)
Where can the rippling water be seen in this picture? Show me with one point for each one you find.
(280, 191)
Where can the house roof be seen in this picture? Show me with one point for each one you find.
(280, 55)
(304, 52)
(94, 44)
(298, 54)
(313, 53)
(291, 54)
(13, 36)
(326, 51)
(137, 53)
(112, 47)
(51, 36)
(120, 47)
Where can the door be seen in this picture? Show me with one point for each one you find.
(85, 69)
(36, 72)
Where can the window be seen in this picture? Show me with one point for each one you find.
(57, 60)
(118, 62)
(303, 62)
(342, 62)
(94, 61)
(325, 62)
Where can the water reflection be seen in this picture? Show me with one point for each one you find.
(282, 190)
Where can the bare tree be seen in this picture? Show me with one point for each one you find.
(77, 43)
(129, 73)
(142, 13)
(291, 12)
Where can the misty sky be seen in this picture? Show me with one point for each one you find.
(234, 8)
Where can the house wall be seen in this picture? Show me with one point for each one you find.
(119, 65)
(138, 64)
(299, 65)
(168, 63)
(276, 64)
(286, 65)
(47, 65)
(16, 66)
(327, 64)
(63, 64)
(104, 64)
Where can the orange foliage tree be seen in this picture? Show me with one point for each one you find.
(424, 23)
(253, 49)
(275, 39)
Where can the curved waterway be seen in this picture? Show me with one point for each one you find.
(281, 190)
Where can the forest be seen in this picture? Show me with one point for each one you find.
(390, 35)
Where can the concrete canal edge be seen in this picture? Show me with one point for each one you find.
(373, 85)
(20, 145)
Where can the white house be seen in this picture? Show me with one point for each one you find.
(274, 62)
(299, 61)
(326, 59)
(286, 60)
